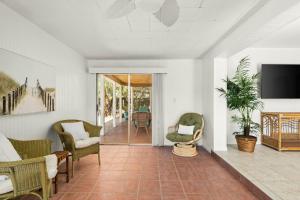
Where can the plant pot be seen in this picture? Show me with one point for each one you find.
(246, 144)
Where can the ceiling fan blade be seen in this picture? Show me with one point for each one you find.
(120, 8)
(168, 14)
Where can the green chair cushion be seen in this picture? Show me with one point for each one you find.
(176, 137)
(191, 119)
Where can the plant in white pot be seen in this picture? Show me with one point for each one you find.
(241, 95)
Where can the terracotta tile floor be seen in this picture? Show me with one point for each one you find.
(119, 135)
(149, 173)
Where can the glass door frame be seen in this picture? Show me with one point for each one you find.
(129, 109)
(100, 106)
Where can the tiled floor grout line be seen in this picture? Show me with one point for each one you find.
(137, 179)
(179, 178)
(64, 193)
(90, 193)
(139, 187)
(159, 180)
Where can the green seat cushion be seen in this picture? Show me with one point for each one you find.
(143, 109)
(176, 137)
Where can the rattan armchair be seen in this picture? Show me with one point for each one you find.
(185, 145)
(29, 175)
(68, 142)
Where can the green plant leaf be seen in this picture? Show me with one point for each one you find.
(241, 95)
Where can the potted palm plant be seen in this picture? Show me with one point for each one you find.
(241, 95)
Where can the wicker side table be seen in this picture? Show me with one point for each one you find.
(62, 155)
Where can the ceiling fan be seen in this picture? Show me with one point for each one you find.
(166, 11)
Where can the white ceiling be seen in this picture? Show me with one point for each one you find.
(81, 25)
(287, 37)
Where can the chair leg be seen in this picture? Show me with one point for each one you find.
(136, 132)
(50, 189)
(78, 163)
(72, 168)
(67, 169)
(55, 184)
(147, 130)
(99, 159)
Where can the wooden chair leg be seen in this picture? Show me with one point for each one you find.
(67, 169)
(55, 184)
(99, 159)
(147, 130)
(137, 130)
(72, 168)
(72, 163)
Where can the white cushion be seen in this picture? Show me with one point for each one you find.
(3, 177)
(51, 164)
(87, 142)
(87, 135)
(6, 186)
(76, 129)
(186, 130)
(7, 150)
(7, 154)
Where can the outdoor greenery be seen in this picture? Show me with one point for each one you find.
(141, 98)
(108, 93)
(241, 95)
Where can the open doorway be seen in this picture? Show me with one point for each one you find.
(124, 105)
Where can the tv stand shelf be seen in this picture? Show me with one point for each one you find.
(281, 130)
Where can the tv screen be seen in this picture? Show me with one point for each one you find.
(280, 81)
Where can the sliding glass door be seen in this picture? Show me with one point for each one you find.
(124, 108)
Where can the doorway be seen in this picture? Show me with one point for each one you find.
(124, 105)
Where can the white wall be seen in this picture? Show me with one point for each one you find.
(181, 94)
(214, 69)
(207, 78)
(22, 37)
(260, 56)
(220, 108)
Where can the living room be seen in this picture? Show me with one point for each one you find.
(53, 53)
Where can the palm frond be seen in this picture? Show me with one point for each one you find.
(241, 94)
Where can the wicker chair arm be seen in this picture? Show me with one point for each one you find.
(94, 131)
(32, 148)
(198, 134)
(26, 175)
(68, 141)
(20, 162)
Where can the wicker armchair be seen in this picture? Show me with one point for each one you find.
(68, 142)
(29, 175)
(185, 145)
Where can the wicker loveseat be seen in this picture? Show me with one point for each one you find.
(68, 141)
(29, 175)
(185, 145)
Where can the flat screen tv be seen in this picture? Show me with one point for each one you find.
(280, 81)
